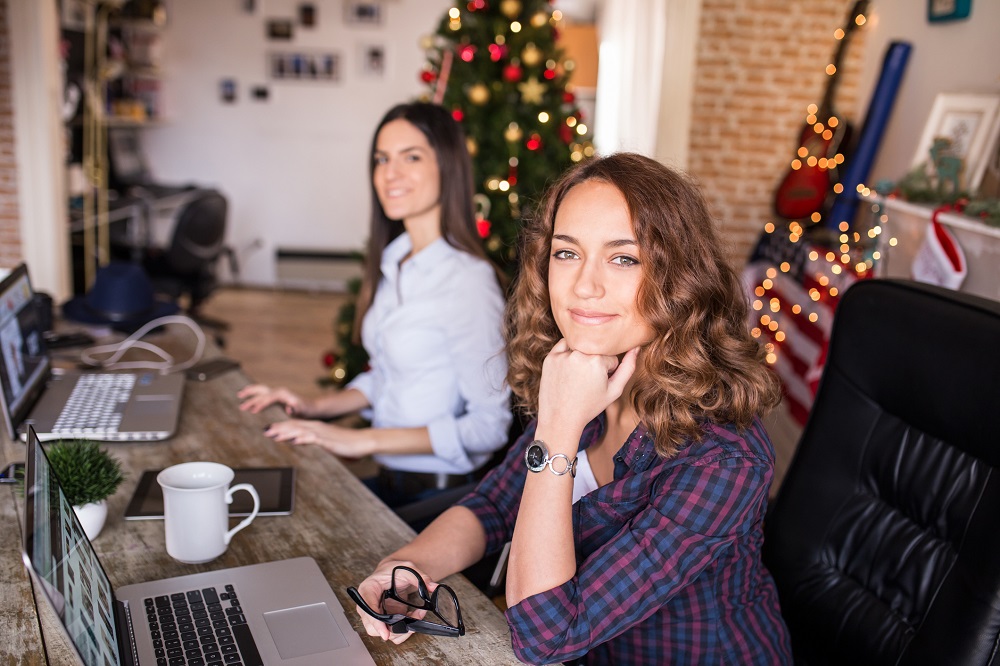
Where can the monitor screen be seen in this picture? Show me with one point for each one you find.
(24, 361)
(65, 564)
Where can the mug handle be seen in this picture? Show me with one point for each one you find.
(253, 514)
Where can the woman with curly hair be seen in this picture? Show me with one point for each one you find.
(634, 502)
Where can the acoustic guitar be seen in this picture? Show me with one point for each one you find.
(805, 187)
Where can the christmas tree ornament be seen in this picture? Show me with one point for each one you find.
(497, 52)
(532, 91)
(329, 359)
(467, 52)
(471, 146)
(479, 94)
(510, 8)
(458, 114)
(531, 55)
(566, 133)
(568, 97)
(513, 133)
(427, 76)
(539, 19)
(534, 142)
(512, 73)
(426, 42)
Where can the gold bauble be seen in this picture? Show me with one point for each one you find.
(513, 133)
(471, 146)
(511, 8)
(531, 55)
(539, 19)
(479, 94)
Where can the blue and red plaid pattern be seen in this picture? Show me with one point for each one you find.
(668, 557)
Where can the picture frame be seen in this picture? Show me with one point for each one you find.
(363, 12)
(372, 59)
(972, 122)
(73, 15)
(320, 66)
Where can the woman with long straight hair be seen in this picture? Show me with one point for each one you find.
(430, 314)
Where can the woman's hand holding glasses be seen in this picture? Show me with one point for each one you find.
(396, 601)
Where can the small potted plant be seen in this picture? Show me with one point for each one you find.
(88, 475)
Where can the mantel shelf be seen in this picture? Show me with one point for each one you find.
(925, 211)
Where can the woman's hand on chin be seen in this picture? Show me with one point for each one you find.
(576, 387)
(343, 442)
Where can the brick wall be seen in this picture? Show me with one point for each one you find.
(10, 234)
(760, 63)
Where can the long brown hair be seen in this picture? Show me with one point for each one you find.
(458, 220)
(703, 365)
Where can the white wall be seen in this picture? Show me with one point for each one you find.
(960, 56)
(294, 167)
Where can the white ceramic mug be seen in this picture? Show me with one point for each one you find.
(196, 499)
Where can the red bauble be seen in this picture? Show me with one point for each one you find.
(549, 74)
(566, 133)
(427, 76)
(569, 97)
(497, 52)
(329, 359)
(483, 228)
(467, 52)
(512, 73)
(458, 115)
(534, 142)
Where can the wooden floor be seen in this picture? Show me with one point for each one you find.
(280, 337)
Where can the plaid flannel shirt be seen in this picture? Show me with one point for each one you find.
(668, 557)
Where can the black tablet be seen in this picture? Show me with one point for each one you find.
(274, 485)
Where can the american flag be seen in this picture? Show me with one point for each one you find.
(794, 285)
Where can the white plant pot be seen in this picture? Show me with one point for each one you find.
(92, 517)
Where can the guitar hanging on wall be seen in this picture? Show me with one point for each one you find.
(805, 188)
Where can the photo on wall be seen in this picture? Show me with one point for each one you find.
(372, 59)
(363, 13)
(304, 66)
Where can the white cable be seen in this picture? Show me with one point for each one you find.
(165, 366)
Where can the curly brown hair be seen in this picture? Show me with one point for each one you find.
(703, 365)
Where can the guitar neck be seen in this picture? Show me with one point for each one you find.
(826, 106)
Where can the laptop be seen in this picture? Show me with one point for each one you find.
(108, 406)
(281, 612)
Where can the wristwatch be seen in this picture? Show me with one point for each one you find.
(536, 457)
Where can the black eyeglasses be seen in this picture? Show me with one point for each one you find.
(407, 593)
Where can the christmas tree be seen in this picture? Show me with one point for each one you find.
(497, 67)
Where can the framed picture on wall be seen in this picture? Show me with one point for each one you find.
(971, 124)
(304, 66)
(367, 13)
(372, 60)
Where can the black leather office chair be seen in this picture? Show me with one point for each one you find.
(188, 265)
(884, 540)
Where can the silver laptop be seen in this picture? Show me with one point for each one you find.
(108, 406)
(280, 612)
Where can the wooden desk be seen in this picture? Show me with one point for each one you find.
(336, 520)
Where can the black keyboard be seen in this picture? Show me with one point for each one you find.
(204, 627)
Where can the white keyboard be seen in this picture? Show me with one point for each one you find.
(95, 405)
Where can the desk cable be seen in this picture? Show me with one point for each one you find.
(108, 356)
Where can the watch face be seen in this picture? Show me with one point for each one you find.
(535, 456)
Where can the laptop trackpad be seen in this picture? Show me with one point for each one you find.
(304, 630)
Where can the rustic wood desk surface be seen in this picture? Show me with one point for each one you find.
(336, 520)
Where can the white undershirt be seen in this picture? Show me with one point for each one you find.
(584, 481)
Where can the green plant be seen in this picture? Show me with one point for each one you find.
(86, 471)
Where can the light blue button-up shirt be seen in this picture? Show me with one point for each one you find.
(433, 333)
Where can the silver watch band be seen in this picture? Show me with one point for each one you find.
(537, 458)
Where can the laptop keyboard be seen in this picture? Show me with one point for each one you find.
(203, 627)
(94, 407)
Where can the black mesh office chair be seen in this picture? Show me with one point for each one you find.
(187, 266)
(884, 540)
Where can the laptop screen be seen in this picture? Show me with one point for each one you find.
(65, 565)
(24, 362)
